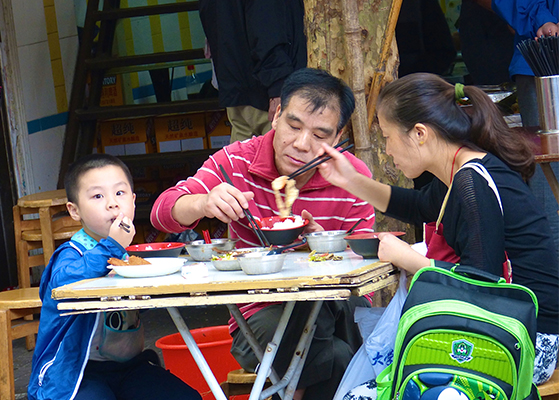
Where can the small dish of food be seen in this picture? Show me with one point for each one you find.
(199, 250)
(229, 260)
(138, 267)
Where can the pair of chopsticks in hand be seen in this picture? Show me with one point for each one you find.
(318, 160)
(263, 241)
(124, 227)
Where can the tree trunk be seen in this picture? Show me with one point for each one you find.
(338, 34)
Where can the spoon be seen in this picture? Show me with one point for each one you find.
(350, 230)
(280, 250)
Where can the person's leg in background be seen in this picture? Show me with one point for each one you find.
(247, 121)
(528, 104)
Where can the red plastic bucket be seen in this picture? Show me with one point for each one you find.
(214, 343)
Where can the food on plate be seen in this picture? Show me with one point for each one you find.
(224, 257)
(317, 257)
(291, 194)
(132, 260)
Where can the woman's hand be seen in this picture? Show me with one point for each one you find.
(400, 254)
(339, 170)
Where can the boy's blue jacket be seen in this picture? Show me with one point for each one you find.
(62, 348)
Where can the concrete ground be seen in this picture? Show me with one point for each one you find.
(157, 324)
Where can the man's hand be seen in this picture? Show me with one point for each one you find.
(226, 203)
(547, 29)
(122, 236)
(313, 226)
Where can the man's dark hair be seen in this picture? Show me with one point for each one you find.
(87, 163)
(320, 89)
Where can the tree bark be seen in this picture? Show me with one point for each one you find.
(354, 40)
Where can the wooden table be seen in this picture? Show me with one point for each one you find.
(200, 284)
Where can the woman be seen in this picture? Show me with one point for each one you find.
(427, 129)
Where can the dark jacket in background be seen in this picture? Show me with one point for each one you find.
(255, 45)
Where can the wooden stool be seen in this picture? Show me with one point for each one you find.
(240, 382)
(40, 221)
(550, 389)
(14, 306)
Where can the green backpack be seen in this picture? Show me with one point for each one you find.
(463, 334)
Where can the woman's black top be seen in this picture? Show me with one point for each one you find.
(479, 234)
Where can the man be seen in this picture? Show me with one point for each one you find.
(254, 46)
(315, 106)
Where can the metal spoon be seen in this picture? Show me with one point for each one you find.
(350, 231)
(280, 250)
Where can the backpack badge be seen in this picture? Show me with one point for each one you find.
(462, 351)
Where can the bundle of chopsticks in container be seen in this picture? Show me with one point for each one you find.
(542, 55)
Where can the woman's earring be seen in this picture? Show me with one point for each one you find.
(421, 142)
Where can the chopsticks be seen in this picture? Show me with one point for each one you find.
(263, 241)
(124, 227)
(318, 160)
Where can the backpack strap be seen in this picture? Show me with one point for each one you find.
(480, 169)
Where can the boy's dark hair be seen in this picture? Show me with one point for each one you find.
(320, 88)
(87, 163)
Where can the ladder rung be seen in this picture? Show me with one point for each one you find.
(146, 10)
(102, 63)
(144, 110)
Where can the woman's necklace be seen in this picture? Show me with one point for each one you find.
(453, 161)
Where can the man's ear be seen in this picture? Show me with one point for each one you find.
(276, 116)
(134, 199)
(73, 211)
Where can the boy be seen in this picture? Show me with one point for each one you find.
(96, 356)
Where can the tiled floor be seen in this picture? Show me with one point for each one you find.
(157, 324)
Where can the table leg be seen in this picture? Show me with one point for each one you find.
(196, 354)
(293, 373)
(551, 179)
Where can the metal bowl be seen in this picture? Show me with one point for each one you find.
(165, 249)
(227, 265)
(366, 244)
(327, 241)
(258, 263)
(234, 265)
(200, 251)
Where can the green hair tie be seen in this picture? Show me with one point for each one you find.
(459, 91)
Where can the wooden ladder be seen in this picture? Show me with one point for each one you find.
(84, 110)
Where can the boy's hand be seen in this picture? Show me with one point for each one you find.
(122, 235)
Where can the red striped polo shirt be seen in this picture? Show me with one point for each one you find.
(250, 165)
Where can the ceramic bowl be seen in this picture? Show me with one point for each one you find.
(280, 237)
(258, 263)
(366, 244)
(200, 251)
(326, 241)
(165, 249)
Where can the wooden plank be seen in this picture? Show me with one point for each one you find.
(376, 284)
(141, 110)
(131, 12)
(104, 62)
(216, 299)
